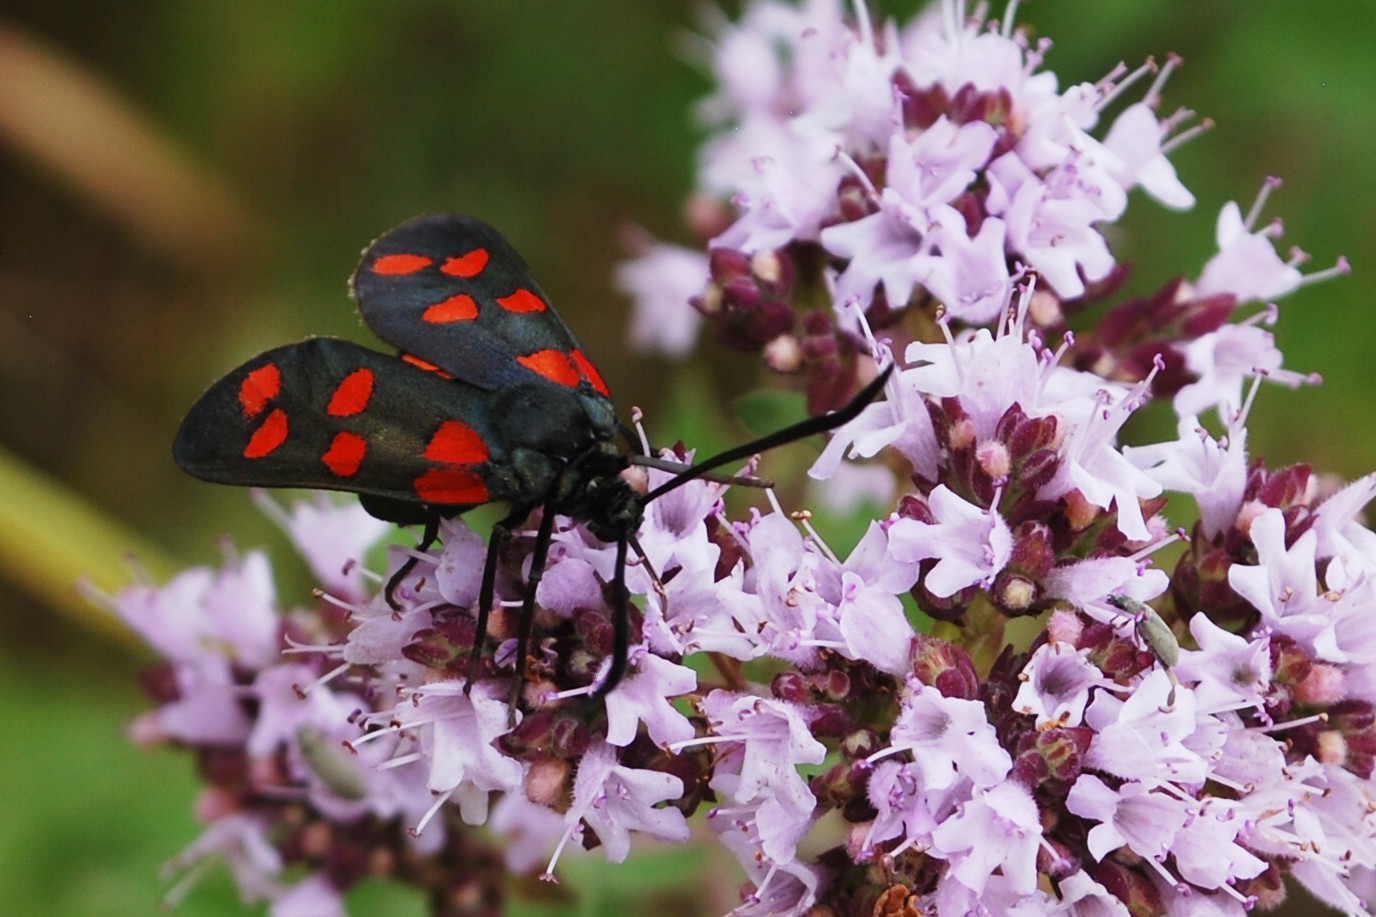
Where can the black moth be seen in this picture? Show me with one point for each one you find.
(489, 399)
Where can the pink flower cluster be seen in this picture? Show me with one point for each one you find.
(1000, 701)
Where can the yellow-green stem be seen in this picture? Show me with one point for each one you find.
(50, 538)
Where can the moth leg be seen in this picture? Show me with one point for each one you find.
(621, 622)
(427, 540)
(487, 590)
(538, 557)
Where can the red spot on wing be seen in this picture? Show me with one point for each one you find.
(451, 485)
(456, 443)
(345, 454)
(589, 372)
(469, 265)
(271, 433)
(352, 395)
(521, 301)
(422, 364)
(553, 365)
(460, 308)
(258, 388)
(393, 265)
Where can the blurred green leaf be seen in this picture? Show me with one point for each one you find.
(50, 538)
(764, 411)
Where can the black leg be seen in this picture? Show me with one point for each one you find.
(621, 624)
(543, 535)
(501, 531)
(427, 540)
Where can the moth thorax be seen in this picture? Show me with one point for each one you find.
(591, 489)
(555, 423)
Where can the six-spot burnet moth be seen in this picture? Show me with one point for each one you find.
(490, 399)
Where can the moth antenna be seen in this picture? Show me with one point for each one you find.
(787, 435)
(739, 480)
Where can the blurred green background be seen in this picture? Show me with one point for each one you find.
(183, 184)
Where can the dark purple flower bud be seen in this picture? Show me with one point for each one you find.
(748, 296)
(570, 737)
(791, 686)
(435, 650)
(1290, 663)
(226, 767)
(742, 296)
(834, 788)
(1015, 594)
(881, 313)
(1282, 489)
(1079, 512)
(593, 628)
(1130, 885)
(1030, 768)
(853, 199)
(773, 271)
(968, 104)
(837, 685)
(1325, 685)
(1006, 430)
(708, 302)
(1033, 553)
(1063, 749)
(944, 666)
(1204, 585)
(859, 809)
(971, 207)
(830, 721)
(860, 743)
(1133, 335)
(1267, 889)
(830, 383)
(547, 782)
(1355, 721)
(160, 682)
(1208, 314)
(921, 107)
(912, 506)
(726, 265)
(941, 608)
(1056, 860)
(582, 666)
(533, 732)
(1117, 657)
(997, 692)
